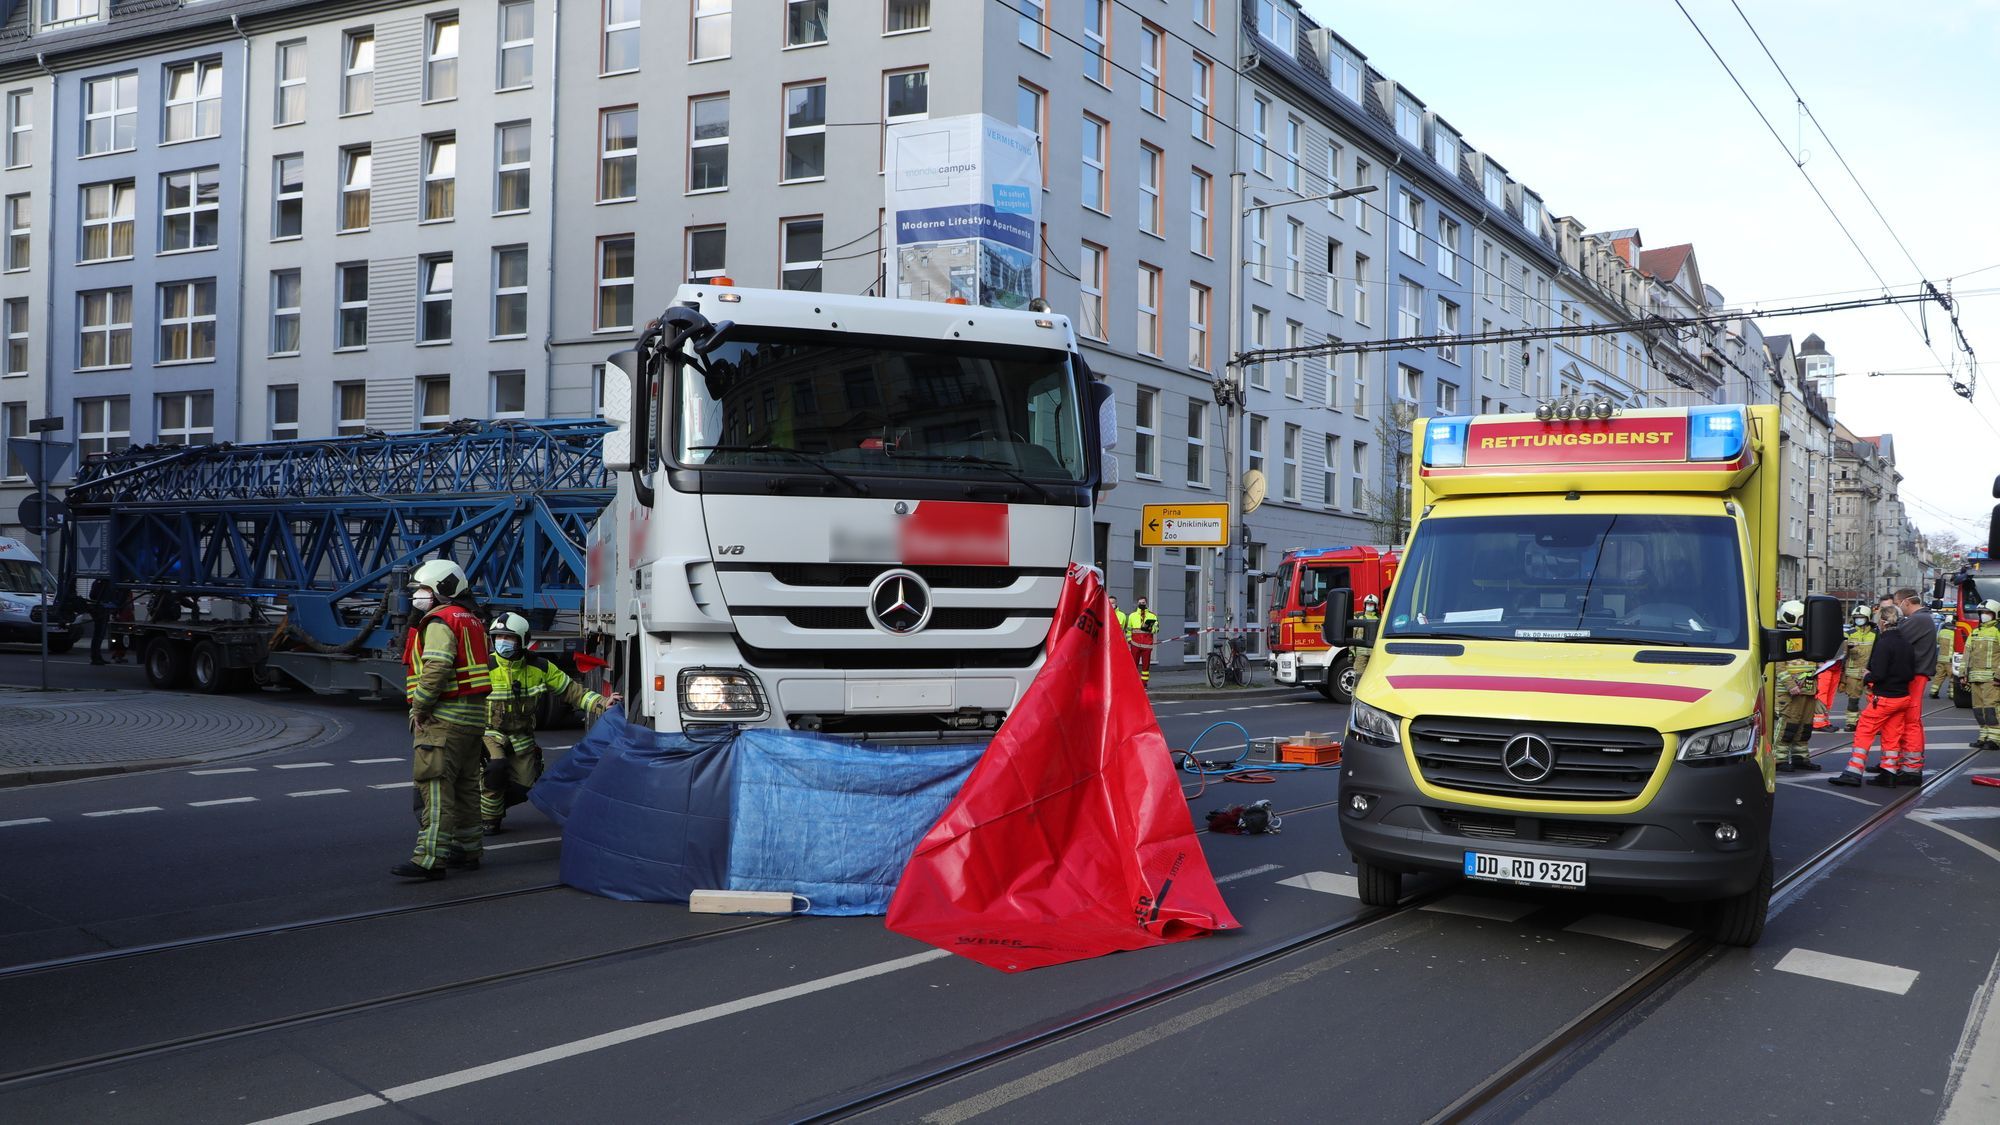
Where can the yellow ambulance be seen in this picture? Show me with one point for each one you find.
(1571, 684)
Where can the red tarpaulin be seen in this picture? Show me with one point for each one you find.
(1071, 838)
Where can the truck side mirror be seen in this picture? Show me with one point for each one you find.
(1822, 632)
(619, 382)
(1105, 400)
(1993, 525)
(1339, 622)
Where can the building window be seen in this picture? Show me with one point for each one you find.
(288, 196)
(441, 61)
(1090, 301)
(1494, 183)
(1260, 136)
(707, 249)
(1333, 361)
(187, 321)
(615, 278)
(1096, 135)
(805, 23)
(1142, 570)
(1295, 257)
(1447, 400)
(194, 101)
(1260, 337)
(1295, 365)
(350, 408)
(1146, 433)
(1152, 213)
(286, 302)
(1447, 325)
(17, 335)
(435, 321)
(1357, 480)
(1152, 70)
(20, 128)
(618, 155)
(433, 402)
(1329, 473)
(1448, 256)
(440, 177)
(103, 425)
(805, 132)
(187, 419)
(1334, 258)
(906, 96)
(13, 424)
(1197, 443)
(105, 331)
(1201, 100)
(110, 114)
(57, 13)
(1031, 113)
(1531, 215)
(351, 305)
(1409, 120)
(711, 30)
(510, 291)
(190, 211)
(283, 408)
(1260, 245)
(1148, 340)
(1409, 383)
(357, 72)
(1444, 149)
(803, 240)
(1409, 224)
(1410, 309)
(1274, 23)
(906, 15)
(1033, 26)
(1364, 212)
(1289, 463)
(1343, 71)
(1097, 41)
(509, 392)
(1358, 378)
(708, 155)
(620, 43)
(1254, 449)
(20, 231)
(517, 44)
(1293, 126)
(289, 107)
(1361, 282)
(512, 171)
(1198, 304)
(357, 177)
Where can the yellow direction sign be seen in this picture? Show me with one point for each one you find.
(1184, 525)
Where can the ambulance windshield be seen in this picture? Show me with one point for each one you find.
(1605, 579)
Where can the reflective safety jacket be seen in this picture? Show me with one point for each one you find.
(445, 666)
(1797, 677)
(520, 684)
(1947, 638)
(1982, 655)
(1141, 621)
(1860, 643)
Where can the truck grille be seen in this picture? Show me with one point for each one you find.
(846, 617)
(862, 574)
(1486, 826)
(891, 658)
(1592, 763)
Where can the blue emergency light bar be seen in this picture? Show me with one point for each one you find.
(1717, 433)
(1444, 442)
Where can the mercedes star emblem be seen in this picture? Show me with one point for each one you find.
(1528, 758)
(899, 602)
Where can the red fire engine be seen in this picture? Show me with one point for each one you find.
(1299, 653)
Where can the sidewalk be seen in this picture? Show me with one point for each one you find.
(63, 735)
(1190, 681)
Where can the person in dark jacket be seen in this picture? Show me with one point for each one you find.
(106, 599)
(1891, 677)
(1921, 629)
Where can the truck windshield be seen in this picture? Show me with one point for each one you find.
(19, 576)
(1608, 579)
(881, 405)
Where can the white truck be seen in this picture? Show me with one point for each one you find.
(842, 514)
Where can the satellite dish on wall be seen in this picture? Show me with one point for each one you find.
(1254, 487)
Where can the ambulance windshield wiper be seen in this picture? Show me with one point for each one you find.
(799, 455)
(982, 462)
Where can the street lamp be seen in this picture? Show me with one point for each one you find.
(1229, 390)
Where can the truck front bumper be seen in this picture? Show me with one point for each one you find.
(1667, 850)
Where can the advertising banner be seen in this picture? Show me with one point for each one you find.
(964, 210)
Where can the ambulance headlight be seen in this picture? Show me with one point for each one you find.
(1444, 443)
(1714, 744)
(720, 693)
(1372, 724)
(1717, 433)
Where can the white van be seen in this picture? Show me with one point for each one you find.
(24, 581)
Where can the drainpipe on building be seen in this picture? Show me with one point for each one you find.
(555, 186)
(242, 230)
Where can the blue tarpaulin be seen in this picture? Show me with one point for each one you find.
(651, 817)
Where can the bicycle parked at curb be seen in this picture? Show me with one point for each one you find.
(1227, 663)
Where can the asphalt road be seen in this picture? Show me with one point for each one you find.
(548, 1004)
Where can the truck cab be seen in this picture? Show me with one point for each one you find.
(1571, 682)
(841, 514)
(1294, 632)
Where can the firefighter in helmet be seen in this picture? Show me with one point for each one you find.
(1982, 675)
(1860, 643)
(521, 680)
(446, 681)
(1371, 612)
(1798, 682)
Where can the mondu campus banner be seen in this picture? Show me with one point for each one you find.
(965, 204)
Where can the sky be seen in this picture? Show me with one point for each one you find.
(1615, 112)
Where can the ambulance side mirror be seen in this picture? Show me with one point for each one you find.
(1340, 628)
(1822, 633)
(1993, 525)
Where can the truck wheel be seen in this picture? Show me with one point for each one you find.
(1378, 886)
(1340, 679)
(1739, 921)
(205, 670)
(166, 664)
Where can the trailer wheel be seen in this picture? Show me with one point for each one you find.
(166, 664)
(1739, 920)
(1340, 679)
(206, 672)
(1377, 886)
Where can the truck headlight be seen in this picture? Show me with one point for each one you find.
(1374, 725)
(1712, 744)
(720, 693)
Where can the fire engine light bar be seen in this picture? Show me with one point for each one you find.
(1717, 433)
(1444, 443)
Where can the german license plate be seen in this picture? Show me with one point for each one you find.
(1517, 869)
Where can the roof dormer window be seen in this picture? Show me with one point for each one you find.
(63, 13)
(1276, 25)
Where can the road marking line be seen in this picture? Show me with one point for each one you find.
(1638, 931)
(375, 761)
(1977, 845)
(1491, 909)
(301, 765)
(524, 843)
(29, 820)
(1959, 812)
(232, 769)
(508, 1066)
(1978, 1053)
(395, 785)
(1820, 785)
(1989, 772)
(1249, 872)
(1325, 882)
(223, 801)
(316, 793)
(1847, 970)
(124, 812)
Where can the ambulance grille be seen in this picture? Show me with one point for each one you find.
(1486, 826)
(1592, 763)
